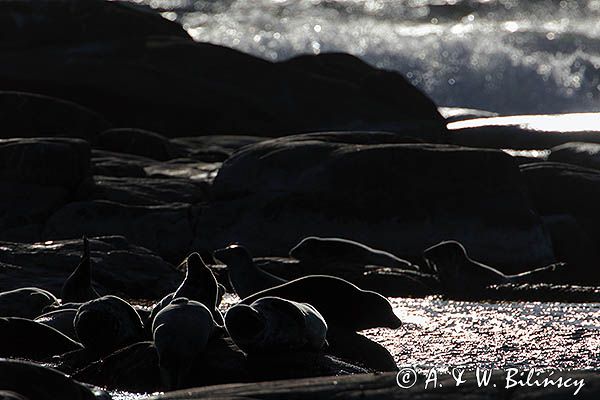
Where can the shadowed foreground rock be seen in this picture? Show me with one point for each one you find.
(385, 387)
(34, 115)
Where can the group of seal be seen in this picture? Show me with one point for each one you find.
(316, 315)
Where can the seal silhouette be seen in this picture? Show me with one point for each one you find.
(198, 285)
(315, 249)
(78, 286)
(24, 338)
(274, 325)
(181, 332)
(342, 304)
(107, 324)
(245, 277)
(459, 274)
(26, 302)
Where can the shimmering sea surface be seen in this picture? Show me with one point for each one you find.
(446, 334)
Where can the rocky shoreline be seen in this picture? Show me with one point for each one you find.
(132, 158)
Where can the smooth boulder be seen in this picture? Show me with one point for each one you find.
(273, 194)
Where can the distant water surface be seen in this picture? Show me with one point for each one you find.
(508, 56)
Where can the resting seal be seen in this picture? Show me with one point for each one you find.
(23, 338)
(274, 325)
(198, 285)
(78, 286)
(341, 303)
(107, 324)
(325, 250)
(245, 277)
(27, 302)
(459, 274)
(181, 332)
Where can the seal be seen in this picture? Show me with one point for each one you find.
(460, 275)
(181, 332)
(78, 286)
(198, 285)
(321, 250)
(275, 325)
(245, 277)
(34, 382)
(24, 338)
(107, 324)
(27, 302)
(61, 320)
(342, 304)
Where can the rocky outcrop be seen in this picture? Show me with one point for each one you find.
(38, 176)
(161, 84)
(34, 115)
(118, 267)
(271, 195)
(40, 22)
(567, 195)
(166, 229)
(585, 155)
(525, 131)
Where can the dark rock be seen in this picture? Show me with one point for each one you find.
(453, 114)
(385, 386)
(34, 115)
(166, 229)
(157, 84)
(149, 191)
(117, 267)
(108, 163)
(271, 195)
(40, 383)
(133, 368)
(45, 161)
(184, 168)
(137, 142)
(585, 155)
(23, 338)
(573, 246)
(564, 189)
(38, 176)
(215, 148)
(525, 131)
(39, 22)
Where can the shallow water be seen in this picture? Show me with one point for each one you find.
(440, 333)
(446, 334)
(509, 56)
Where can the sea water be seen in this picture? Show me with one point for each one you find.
(507, 56)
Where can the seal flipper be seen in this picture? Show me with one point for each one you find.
(78, 286)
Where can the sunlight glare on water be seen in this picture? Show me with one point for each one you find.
(440, 333)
